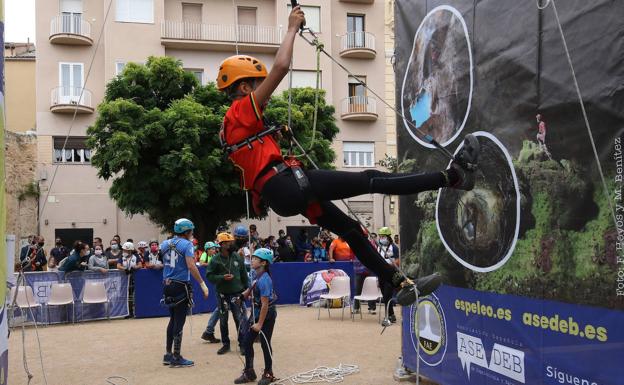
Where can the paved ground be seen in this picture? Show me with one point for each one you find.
(88, 353)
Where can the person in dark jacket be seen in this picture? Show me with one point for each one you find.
(227, 272)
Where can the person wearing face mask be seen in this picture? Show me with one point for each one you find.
(227, 272)
(153, 256)
(390, 252)
(38, 256)
(285, 248)
(127, 261)
(98, 261)
(57, 254)
(73, 262)
(113, 253)
(241, 238)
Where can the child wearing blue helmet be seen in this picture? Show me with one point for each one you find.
(263, 300)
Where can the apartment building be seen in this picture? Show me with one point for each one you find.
(72, 72)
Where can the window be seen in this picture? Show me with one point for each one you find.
(192, 13)
(135, 11)
(358, 154)
(304, 78)
(70, 82)
(246, 16)
(119, 67)
(356, 89)
(355, 30)
(71, 16)
(199, 74)
(75, 151)
(312, 15)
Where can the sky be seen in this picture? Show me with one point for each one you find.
(19, 20)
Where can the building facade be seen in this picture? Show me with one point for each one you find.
(81, 48)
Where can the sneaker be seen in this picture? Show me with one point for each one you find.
(248, 375)
(209, 337)
(371, 311)
(465, 164)
(180, 362)
(267, 379)
(356, 311)
(167, 358)
(392, 318)
(224, 349)
(425, 286)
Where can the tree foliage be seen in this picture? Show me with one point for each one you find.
(156, 137)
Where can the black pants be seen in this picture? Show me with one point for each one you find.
(387, 291)
(226, 303)
(249, 336)
(177, 314)
(283, 195)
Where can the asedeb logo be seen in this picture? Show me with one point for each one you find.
(504, 360)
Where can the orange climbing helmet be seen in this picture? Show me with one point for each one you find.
(239, 67)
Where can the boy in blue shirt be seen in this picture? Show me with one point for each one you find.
(179, 261)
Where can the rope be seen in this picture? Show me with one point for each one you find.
(316, 43)
(21, 279)
(111, 378)
(580, 99)
(71, 124)
(316, 93)
(236, 18)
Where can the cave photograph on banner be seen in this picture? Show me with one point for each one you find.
(533, 256)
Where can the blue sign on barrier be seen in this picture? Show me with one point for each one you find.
(116, 284)
(472, 337)
(287, 280)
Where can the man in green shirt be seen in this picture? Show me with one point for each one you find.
(227, 272)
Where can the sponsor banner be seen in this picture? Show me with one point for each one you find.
(470, 337)
(115, 282)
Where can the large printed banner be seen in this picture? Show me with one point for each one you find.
(116, 283)
(536, 250)
(471, 337)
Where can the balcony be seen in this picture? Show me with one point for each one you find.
(71, 30)
(198, 36)
(359, 108)
(358, 45)
(67, 100)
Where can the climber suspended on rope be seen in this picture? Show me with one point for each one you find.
(281, 183)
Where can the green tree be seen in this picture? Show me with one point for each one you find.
(156, 137)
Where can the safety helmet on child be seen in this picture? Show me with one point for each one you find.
(241, 231)
(210, 245)
(142, 245)
(384, 231)
(224, 237)
(264, 253)
(128, 246)
(183, 225)
(239, 67)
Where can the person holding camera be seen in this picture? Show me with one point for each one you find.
(227, 272)
(33, 256)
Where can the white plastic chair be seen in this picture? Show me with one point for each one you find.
(94, 292)
(339, 288)
(25, 299)
(61, 294)
(370, 292)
